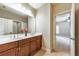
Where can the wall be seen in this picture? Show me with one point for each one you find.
(43, 24)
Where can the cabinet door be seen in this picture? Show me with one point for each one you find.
(7, 46)
(39, 42)
(33, 47)
(11, 52)
(24, 50)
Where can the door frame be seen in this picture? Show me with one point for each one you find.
(72, 45)
(72, 51)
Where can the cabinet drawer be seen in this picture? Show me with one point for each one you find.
(7, 46)
(24, 41)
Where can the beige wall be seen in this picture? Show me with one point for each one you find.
(56, 9)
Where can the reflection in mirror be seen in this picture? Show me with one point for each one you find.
(9, 26)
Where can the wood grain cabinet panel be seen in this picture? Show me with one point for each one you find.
(33, 47)
(24, 41)
(24, 50)
(11, 52)
(39, 42)
(7, 46)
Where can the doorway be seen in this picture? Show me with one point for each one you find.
(63, 32)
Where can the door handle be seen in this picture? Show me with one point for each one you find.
(72, 38)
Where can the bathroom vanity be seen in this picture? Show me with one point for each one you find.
(22, 46)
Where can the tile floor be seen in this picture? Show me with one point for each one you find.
(54, 53)
(63, 43)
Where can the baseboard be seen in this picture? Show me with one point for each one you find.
(46, 49)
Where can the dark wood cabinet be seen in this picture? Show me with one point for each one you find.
(24, 50)
(33, 46)
(24, 47)
(7, 46)
(36, 44)
(8, 49)
(39, 42)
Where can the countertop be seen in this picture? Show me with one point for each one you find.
(8, 38)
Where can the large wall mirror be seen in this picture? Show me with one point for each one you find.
(10, 26)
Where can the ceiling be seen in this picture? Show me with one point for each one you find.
(36, 5)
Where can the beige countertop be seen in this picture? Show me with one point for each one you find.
(9, 38)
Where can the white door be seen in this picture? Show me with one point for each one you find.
(72, 47)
